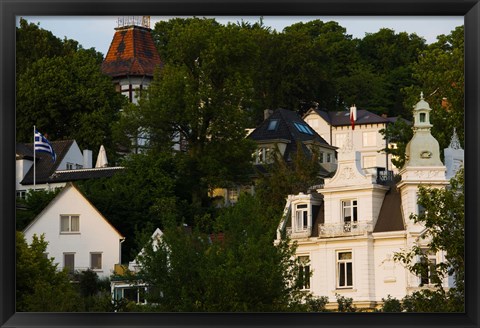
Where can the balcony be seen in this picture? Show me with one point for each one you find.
(297, 234)
(344, 229)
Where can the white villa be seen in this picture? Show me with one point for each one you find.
(348, 231)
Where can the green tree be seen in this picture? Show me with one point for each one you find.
(439, 74)
(202, 96)
(39, 287)
(392, 57)
(285, 178)
(398, 135)
(138, 199)
(444, 220)
(236, 269)
(34, 43)
(67, 97)
(35, 201)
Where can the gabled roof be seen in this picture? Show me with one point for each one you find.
(45, 167)
(342, 118)
(68, 187)
(131, 53)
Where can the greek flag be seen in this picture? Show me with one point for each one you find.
(42, 144)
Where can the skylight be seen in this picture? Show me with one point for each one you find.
(303, 128)
(272, 125)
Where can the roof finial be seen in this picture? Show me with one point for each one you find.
(455, 142)
(421, 95)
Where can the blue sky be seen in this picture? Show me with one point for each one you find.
(97, 31)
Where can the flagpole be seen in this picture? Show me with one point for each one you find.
(34, 160)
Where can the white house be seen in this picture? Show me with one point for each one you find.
(334, 127)
(79, 237)
(132, 290)
(71, 165)
(348, 231)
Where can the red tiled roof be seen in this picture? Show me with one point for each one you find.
(132, 52)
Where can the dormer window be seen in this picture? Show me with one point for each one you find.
(349, 210)
(301, 217)
(272, 125)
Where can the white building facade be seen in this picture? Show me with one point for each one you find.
(348, 231)
(335, 127)
(78, 236)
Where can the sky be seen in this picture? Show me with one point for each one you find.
(98, 31)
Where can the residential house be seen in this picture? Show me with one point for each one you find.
(132, 290)
(285, 131)
(365, 133)
(79, 237)
(71, 164)
(348, 231)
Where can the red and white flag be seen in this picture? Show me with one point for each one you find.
(353, 116)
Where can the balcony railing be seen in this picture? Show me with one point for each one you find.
(296, 234)
(326, 230)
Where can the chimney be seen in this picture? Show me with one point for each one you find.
(267, 113)
(87, 159)
(384, 115)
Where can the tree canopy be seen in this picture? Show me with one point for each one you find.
(62, 91)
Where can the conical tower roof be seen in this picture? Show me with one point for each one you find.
(131, 53)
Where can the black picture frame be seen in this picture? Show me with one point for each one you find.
(9, 9)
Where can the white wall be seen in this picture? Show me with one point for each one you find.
(74, 155)
(96, 235)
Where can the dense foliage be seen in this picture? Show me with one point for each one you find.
(216, 81)
(235, 269)
(62, 91)
(444, 220)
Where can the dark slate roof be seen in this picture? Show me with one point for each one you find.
(46, 169)
(23, 151)
(390, 217)
(44, 164)
(286, 130)
(342, 118)
(84, 174)
(131, 53)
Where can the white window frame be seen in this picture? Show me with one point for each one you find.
(91, 261)
(431, 261)
(301, 217)
(71, 229)
(262, 155)
(369, 139)
(345, 264)
(304, 271)
(352, 206)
